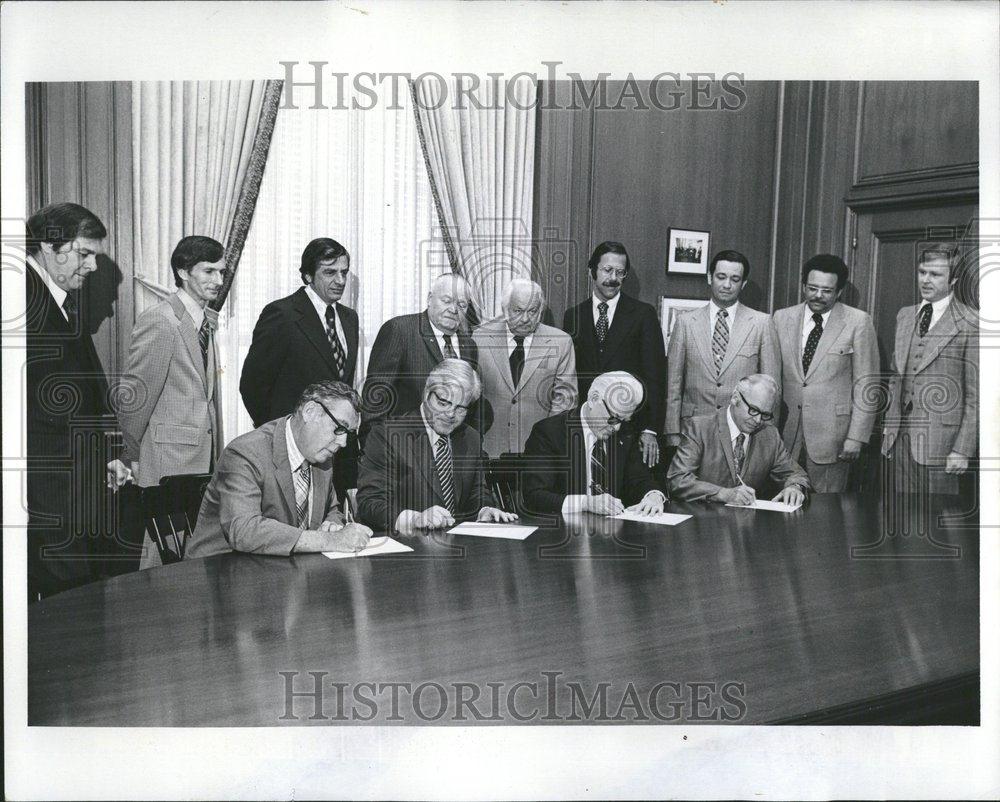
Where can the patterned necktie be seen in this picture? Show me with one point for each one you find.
(720, 339)
(598, 469)
(301, 477)
(204, 333)
(811, 342)
(738, 453)
(925, 318)
(69, 307)
(442, 461)
(602, 323)
(339, 358)
(517, 360)
(449, 352)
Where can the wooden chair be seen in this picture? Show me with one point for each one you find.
(171, 512)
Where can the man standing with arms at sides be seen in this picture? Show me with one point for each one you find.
(614, 332)
(66, 393)
(409, 346)
(711, 348)
(829, 354)
(528, 369)
(304, 338)
(936, 355)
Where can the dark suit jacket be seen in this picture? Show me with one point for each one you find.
(404, 353)
(250, 503)
(398, 473)
(634, 344)
(555, 465)
(290, 351)
(66, 408)
(704, 461)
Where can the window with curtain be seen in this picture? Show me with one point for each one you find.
(359, 177)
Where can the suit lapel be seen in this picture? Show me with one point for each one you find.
(308, 321)
(497, 345)
(430, 341)
(942, 333)
(213, 352)
(620, 326)
(701, 321)
(585, 326)
(576, 450)
(419, 452)
(737, 336)
(834, 326)
(350, 332)
(722, 426)
(320, 489)
(282, 469)
(904, 335)
(190, 336)
(539, 351)
(791, 332)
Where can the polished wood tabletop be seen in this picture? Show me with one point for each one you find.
(734, 615)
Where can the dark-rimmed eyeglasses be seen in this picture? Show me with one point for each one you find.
(613, 419)
(753, 411)
(444, 405)
(341, 428)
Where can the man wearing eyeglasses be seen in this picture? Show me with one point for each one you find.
(730, 456)
(582, 460)
(272, 492)
(615, 332)
(425, 470)
(829, 356)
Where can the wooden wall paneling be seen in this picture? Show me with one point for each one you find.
(34, 140)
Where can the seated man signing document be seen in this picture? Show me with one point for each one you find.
(728, 456)
(579, 461)
(425, 469)
(272, 491)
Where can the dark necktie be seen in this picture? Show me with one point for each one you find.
(442, 461)
(339, 358)
(811, 342)
(598, 469)
(517, 360)
(738, 453)
(302, 481)
(204, 333)
(925, 318)
(602, 323)
(449, 352)
(720, 338)
(69, 307)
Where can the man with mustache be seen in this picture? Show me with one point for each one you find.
(614, 332)
(712, 347)
(932, 425)
(409, 346)
(729, 456)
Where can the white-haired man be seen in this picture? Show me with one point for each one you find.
(581, 461)
(425, 470)
(729, 456)
(528, 369)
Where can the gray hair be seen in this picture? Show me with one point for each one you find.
(454, 280)
(327, 391)
(455, 372)
(521, 284)
(755, 379)
(619, 386)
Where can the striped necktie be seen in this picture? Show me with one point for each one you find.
(739, 455)
(449, 351)
(598, 468)
(720, 339)
(331, 334)
(445, 471)
(204, 332)
(302, 482)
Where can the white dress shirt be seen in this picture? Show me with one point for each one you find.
(808, 324)
(58, 293)
(612, 306)
(713, 313)
(439, 336)
(196, 310)
(734, 432)
(320, 306)
(295, 460)
(937, 309)
(511, 345)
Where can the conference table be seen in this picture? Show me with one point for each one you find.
(848, 610)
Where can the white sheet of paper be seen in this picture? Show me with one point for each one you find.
(773, 506)
(663, 518)
(483, 529)
(386, 546)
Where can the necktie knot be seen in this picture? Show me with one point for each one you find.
(602, 307)
(723, 313)
(331, 315)
(449, 350)
(518, 340)
(69, 304)
(926, 312)
(817, 318)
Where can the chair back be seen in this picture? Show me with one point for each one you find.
(171, 512)
(502, 479)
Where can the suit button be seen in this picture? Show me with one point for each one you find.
(718, 384)
(718, 406)
(513, 401)
(804, 384)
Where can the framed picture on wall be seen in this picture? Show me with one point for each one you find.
(670, 308)
(687, 251)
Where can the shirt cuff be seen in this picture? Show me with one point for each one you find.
(660, 493)
(572, 504)
(649, 431)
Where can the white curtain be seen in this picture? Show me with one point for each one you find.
(357, 176)
(482, 162)
(191, 146)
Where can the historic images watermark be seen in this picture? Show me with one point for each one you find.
(314, 696)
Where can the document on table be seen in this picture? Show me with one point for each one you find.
(483, 529)
(773, 506)
(662, 518)
(377, 545)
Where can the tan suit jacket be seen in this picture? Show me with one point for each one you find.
(547, 385)
(834, 401)
(169, 413)
(693, 386)
(704, 462)
(250, 503)
(945, 416)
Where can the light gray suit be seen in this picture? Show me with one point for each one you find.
(834, 401)
(250, 503)
(704, 462)
(170, 415)
(693, 385)
(944, 385)
(547, 385)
